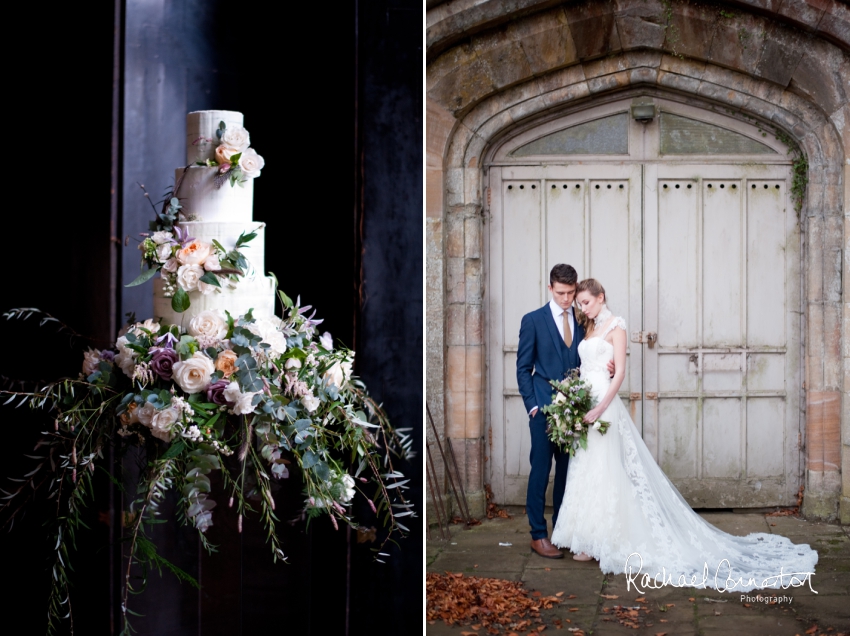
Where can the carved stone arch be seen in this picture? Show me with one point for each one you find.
(818, 121)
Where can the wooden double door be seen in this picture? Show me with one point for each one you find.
(702, 258)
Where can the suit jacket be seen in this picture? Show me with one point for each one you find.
(543, 356)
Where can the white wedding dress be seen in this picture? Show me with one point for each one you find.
(619, 502)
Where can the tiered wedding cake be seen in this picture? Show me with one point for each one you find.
(215, 208)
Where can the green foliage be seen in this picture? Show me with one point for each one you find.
(342, 444)
(180, 301)
(143, 277)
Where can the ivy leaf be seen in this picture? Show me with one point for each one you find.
(210, 279)
(143, 277)
(180, 301)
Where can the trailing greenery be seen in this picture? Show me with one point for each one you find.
(241, 396)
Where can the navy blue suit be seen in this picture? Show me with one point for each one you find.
(543, 356)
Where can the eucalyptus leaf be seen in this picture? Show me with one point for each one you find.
(143, 277)
(309, 459)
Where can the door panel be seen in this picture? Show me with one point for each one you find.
(541, 218)
(726, 367)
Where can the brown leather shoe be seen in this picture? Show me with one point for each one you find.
(544, 548)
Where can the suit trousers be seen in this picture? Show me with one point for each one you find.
(542, 452)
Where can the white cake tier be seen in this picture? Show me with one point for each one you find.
(228, 233)
(257, 294)
(202, 201)
(201, 125)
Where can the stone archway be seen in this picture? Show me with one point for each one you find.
(548, 62)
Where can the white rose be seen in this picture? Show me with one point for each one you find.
(188, 276)
(578, 426)
(251, 163)
(208, 323)
(231, 392)
(293, 363)
(194, 253)
(335, 374)
(212, 263)
(326, 341)
(206, 288)
(145, 414)
(244, 404)
(171, 265)
(125, 358)
(91, 360)
(163, 422)
(560, 398)
(597, 425)
(269, 332)
(235, 137)
(163, 252)
(310, 402)
(193, 375)
(161, 237)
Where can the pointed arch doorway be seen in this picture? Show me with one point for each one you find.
(687, 220)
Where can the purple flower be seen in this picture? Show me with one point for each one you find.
(107, 355)
(169, 340)
(162, 362)
(215, 392)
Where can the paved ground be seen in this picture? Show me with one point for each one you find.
(476, 552)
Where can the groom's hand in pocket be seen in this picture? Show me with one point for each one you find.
(532, 413)
(611, 368)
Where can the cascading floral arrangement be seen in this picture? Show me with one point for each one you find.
(271, 392)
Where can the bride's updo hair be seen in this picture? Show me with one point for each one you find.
(594, 287)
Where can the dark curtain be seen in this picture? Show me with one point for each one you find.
(337, 117)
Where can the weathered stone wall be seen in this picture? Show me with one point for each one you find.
(496, 65)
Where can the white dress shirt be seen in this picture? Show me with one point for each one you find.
(558, 315)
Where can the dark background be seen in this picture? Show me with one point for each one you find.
(332, 100)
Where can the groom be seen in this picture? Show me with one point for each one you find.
(548, 349)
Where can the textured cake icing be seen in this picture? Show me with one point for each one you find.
(218, 212)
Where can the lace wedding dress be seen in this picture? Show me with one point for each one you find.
(619, 502)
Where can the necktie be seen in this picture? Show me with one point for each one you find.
(568, 337)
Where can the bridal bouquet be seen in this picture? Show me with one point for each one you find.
(571, 401)
(252, 400)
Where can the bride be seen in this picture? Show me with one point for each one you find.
(621, 509)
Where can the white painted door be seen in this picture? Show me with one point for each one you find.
(709, 263)
(722, 384)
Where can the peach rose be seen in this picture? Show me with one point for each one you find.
(223, 154)
(194, 253)
(226, 362)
